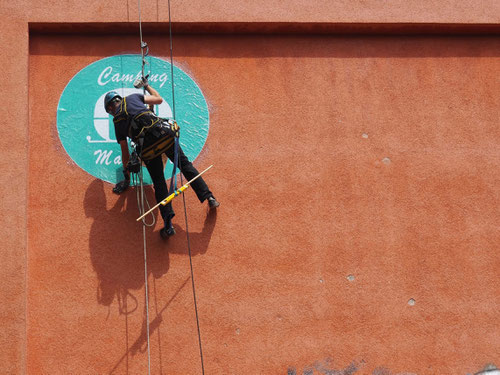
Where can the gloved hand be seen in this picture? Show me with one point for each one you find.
(141, 82)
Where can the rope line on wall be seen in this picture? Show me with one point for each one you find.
(144, 53)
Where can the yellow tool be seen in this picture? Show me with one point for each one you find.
(174, 194)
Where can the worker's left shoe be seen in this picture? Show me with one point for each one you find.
(212, 202)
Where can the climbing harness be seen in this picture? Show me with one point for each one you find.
(156, 137)
(151, 134)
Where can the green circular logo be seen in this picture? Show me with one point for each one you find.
(87, 131)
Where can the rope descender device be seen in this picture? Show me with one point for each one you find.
(144, 46)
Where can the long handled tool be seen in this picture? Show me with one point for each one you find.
(174, 194)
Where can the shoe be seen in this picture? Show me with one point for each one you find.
(212, 202)
(167, 231)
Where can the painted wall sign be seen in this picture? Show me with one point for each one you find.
(87, 132)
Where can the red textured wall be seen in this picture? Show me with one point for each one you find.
(356, 174)
(366, 11)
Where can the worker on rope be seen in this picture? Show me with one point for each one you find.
(153, 136)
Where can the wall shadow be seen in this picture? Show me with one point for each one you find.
(116, 244)
(116, 247)
(117, 257)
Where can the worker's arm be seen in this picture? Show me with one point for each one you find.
(125, 158)
(154, 97)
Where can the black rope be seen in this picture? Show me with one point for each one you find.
(184, 197)
(192, 281)
(171, 59)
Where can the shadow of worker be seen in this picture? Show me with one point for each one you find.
(117, 255)
(116, 247)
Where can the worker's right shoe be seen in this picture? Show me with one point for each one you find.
(212, 202)
(168, 230)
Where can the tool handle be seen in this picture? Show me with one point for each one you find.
(173, 195)
(168, 199)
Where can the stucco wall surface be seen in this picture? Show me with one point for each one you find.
(358, 230)
(13, 186)
(371, 11)
(465, 151)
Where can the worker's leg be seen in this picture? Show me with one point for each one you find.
(155, 169)
(189, 171)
